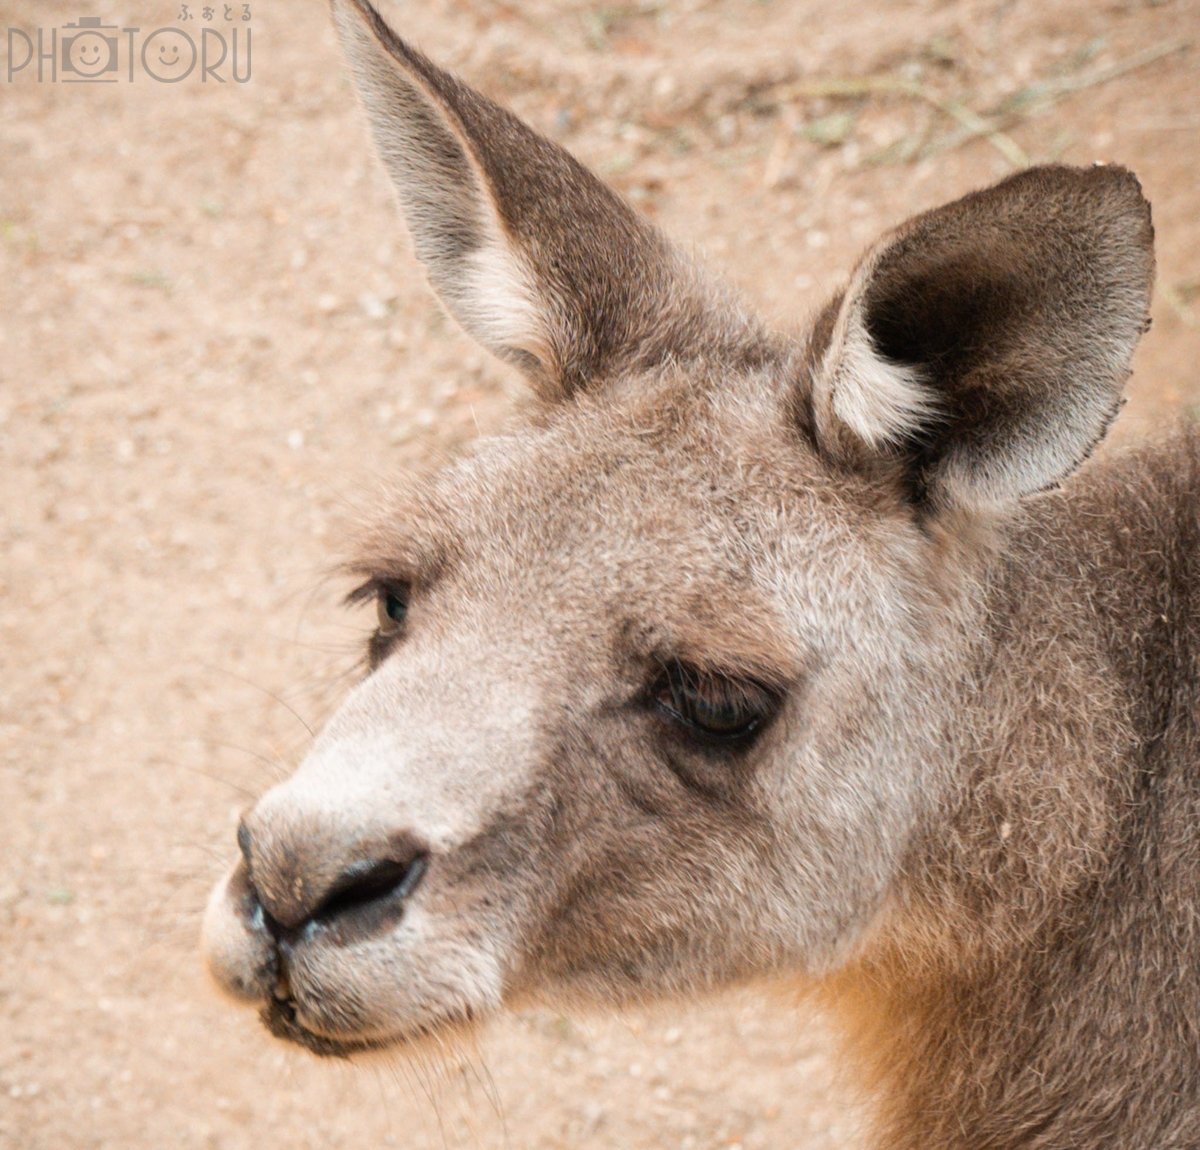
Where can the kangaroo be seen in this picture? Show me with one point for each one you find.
(827, 657)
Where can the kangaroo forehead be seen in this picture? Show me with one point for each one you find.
(606, 490)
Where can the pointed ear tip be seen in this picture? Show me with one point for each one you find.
(1112, 190)
(363, 7)
(1095, 177)
(364, 32)
(1131, 196)
(1122, 184)
(358, 17)
(1120, 177)
(349, 16)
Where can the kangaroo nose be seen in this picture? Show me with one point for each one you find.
(300, 883)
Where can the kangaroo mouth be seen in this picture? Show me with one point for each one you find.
(279, 1017)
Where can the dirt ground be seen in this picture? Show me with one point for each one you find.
(214, 340)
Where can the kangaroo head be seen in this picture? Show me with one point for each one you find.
(662, 683)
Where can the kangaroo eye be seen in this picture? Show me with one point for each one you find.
(392, 607)
(718, 708)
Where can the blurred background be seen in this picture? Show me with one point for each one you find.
(214, 345)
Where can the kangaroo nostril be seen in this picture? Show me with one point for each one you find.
(371, 881)
(293, 883)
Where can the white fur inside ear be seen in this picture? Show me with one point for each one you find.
(880, 400)
(497, 303)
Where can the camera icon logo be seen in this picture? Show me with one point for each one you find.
(89, 50)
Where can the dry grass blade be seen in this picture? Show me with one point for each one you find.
(1055, 90)
(992, 125)
(852, 88)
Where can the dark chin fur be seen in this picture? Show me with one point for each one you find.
(280, 1019)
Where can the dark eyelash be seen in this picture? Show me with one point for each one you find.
(376, 585)
(711, 707)
(361, 594)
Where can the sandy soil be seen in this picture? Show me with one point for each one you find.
(213, 339)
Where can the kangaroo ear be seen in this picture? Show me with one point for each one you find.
(985, 344)
(538, 260)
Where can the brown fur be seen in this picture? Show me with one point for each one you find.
(761, 655)
(1040, 986)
